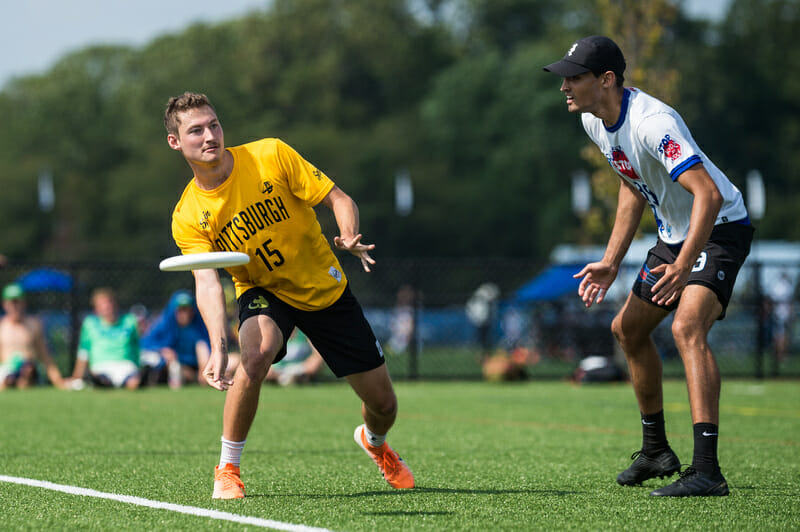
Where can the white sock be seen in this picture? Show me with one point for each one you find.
(231, 452)
(373, 439)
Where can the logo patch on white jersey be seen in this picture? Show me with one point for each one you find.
(670, 148)
(620, 162)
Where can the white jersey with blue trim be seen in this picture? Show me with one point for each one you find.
(650, 147)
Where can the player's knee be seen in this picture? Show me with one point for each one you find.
(686, 332)
(620, 331)
(629, 336)
(256, 362)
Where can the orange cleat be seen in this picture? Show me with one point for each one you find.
(227, 483)
(394, 469)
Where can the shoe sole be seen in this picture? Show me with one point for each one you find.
(654, 494)
(720, 490)
(227, 498)
(221, 495)
(666, 474)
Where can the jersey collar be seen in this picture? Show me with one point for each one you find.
(623, 112)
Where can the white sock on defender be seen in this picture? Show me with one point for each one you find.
(231, 452)
(373, 439)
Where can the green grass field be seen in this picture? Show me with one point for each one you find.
(536, 455)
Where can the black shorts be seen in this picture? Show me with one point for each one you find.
(339, 332)
(716, 268)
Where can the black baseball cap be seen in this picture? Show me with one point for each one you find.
(590, 54)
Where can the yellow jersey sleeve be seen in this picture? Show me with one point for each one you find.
(306, 182)
(265, 209)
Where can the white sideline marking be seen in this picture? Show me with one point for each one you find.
(138, 501)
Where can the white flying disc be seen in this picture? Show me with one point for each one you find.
(202, 261)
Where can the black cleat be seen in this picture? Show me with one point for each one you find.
(693, 483)
(645, 467)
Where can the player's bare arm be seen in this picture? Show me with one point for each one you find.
(345, 211)
(597, 277)
(706, 205)
(211, 303)
(43, 354)
(78, 372)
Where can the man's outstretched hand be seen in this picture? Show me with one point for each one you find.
(354, 246)
(596, 279)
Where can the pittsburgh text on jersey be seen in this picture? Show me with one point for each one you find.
(244, 225)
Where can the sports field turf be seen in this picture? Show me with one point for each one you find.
(536, 455)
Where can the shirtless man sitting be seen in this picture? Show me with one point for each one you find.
(22, 344)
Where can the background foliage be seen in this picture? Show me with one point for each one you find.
(451, 91)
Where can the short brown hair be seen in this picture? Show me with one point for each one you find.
(103, 292)
(179, 104)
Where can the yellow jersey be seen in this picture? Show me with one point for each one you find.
(265, 209)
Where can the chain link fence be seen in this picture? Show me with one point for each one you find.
(443, 318)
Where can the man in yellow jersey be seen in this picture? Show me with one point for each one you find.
(258, 198)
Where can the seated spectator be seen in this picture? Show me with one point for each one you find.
(23, 344)
(178, 341)
(300, 365)
(109, 345)
(503, 365)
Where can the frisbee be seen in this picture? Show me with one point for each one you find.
(203, 261)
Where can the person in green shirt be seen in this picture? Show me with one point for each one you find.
(109, 345)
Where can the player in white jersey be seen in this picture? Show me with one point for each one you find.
(704, 235)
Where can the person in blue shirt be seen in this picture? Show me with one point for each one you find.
(179, 340)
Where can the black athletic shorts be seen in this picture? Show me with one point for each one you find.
(339, 332)
(716, 268)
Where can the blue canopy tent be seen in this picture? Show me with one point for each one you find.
(567, 329)
(549, 285)
(45, 280)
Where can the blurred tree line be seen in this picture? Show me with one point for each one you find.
(448, 92)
